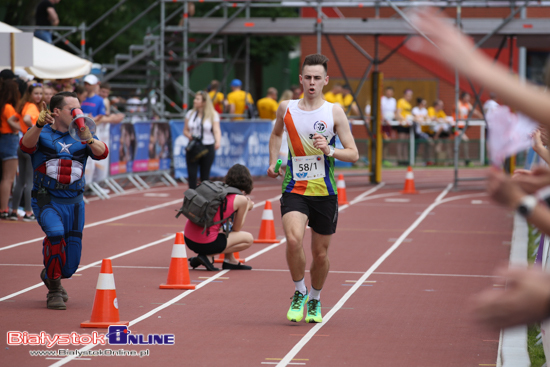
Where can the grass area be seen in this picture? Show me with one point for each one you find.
(536, 352)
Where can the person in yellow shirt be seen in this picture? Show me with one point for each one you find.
(296, 92)
(347, 101)
(216, 96)
(405, 118)
(236, 99)
(267, 106)
(335, 95)
(440, 126)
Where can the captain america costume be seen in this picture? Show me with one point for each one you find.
(59, 162)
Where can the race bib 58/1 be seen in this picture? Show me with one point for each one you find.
(308, 167)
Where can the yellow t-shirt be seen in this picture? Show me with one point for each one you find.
(267, 108)
(218, 102)
(334, 98)
(438, 115)
(405, 107)
(237, 98)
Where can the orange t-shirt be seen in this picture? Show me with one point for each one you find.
(8, 112)
(31, 110)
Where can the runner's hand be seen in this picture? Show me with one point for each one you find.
(271, 171)
(321, 143)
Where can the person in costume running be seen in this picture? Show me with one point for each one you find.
(309, 188)
(59, 163)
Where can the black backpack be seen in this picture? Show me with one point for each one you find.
(201, 205)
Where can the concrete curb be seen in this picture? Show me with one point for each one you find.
(513, 341)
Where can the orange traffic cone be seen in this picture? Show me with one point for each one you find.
(267, 228)
(178, 272)
(341, 186)
(409, 183)
(222, 258)
(105, 309)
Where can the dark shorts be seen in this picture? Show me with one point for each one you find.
(215, 247)
(322, 211)
(401, 129)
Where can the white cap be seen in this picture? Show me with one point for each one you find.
(91, 79)
(22, 74)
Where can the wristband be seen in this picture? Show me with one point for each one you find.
(39, 126)
(90, 142)
(527, 205)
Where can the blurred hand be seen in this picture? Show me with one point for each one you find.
(525, 300)
(453, 47)
(503, 189)
(533, 181)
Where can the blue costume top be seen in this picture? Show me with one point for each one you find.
(59, 162)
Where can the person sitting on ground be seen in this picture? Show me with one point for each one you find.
(213, 241)
(267, 106)
(439, 127)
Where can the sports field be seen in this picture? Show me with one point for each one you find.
(403, 268)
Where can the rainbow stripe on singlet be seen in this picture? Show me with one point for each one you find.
(300, 127)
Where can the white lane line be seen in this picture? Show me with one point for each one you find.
(92, 265)
(296, 349)
(122, 217)
(148, 314)
(102, 221)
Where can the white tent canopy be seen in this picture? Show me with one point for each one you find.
(51, 62)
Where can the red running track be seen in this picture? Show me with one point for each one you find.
(418, 263)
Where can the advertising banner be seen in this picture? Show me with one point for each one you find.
(140, 147)
(246, 143)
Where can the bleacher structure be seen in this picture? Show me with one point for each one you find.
(166, 55)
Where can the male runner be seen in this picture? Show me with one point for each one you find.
(59, 162)
(309, 187)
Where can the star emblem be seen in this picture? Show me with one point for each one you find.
(65, 147)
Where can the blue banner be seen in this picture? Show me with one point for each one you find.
(246, 143)
(139, 147)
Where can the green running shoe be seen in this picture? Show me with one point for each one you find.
(296, 310)
(314, 311)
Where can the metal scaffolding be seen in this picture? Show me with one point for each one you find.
(165, 57)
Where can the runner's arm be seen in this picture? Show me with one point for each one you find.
(341, 127)
(276, 139)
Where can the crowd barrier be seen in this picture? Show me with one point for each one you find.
(150, 148)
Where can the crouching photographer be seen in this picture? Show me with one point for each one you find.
(216, 213)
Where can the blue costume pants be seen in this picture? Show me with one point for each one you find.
(63, 225)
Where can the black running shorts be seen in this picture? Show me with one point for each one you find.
(322, 211)
(215, 247)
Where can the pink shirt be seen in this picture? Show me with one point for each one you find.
(193, 231)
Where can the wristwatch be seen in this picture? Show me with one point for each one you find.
(527, 205)
(331, 151)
